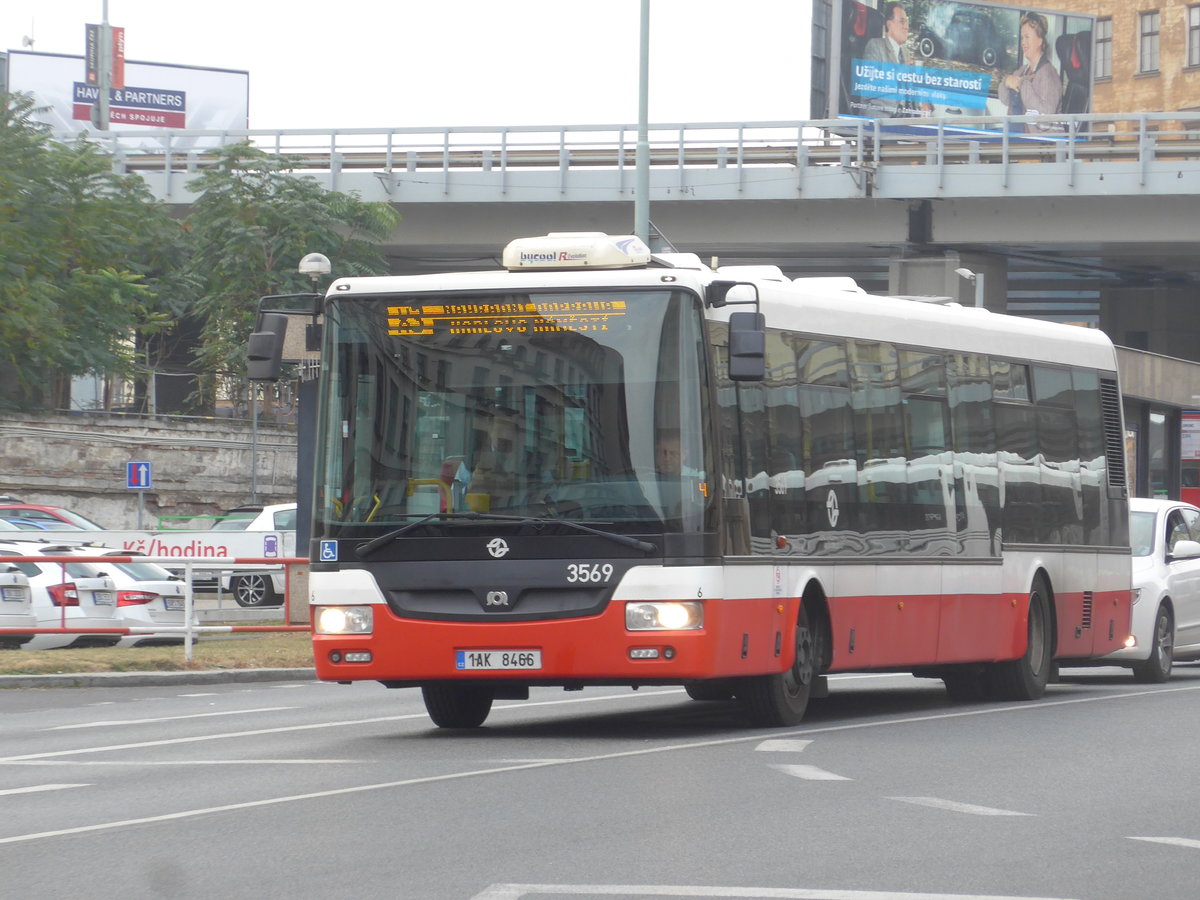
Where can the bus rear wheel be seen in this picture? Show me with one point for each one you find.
(780, 699)
(1026, 677)
(457, 705)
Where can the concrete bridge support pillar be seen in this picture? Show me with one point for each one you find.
(934, 275)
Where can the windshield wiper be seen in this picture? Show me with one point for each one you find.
(365, 550)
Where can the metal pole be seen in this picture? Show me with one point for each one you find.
(979, 289)
(254, 442)
(641, 197)
(104, 58)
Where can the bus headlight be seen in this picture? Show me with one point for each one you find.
(345, 620)
(674, 616)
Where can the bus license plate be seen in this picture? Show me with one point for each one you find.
(498, 659)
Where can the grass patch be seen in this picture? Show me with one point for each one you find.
(259, 651)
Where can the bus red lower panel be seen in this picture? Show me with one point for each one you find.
(742, 637)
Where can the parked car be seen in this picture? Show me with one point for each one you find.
(276, 517)
(252, 586)
(54, 518)
(25, 525)
(72, 595)
(147, 596)
(1165, 539)
(16, 606)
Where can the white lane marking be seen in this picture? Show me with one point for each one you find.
(517, 891)
(952, 806)
(207, 715)
(206, 694)
(454, 776)
(783, 746)
(42, 787)
(285, 729)
(811, 773)
(828, 729)
(1175, 842)
(185, 762)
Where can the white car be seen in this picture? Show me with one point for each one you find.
(276, 517)
(1165, 538)
(147, 596)
(253, 586)
(65, 595)
(16, 606)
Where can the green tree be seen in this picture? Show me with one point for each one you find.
(249, 227)
(77, 242)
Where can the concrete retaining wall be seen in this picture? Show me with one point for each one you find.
(200, 467)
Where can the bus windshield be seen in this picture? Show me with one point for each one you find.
(586, 405)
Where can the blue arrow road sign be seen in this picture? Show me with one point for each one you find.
(138, 475)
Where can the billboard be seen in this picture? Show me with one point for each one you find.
(955, 58)
(154, 96)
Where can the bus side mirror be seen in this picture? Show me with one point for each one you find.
(747, 346)
(264, 353)
(716, 293)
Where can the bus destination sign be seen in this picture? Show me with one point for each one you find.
(522, 317)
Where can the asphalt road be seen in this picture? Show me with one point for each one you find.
(888, 791)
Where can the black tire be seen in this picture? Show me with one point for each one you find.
(926, 48)
(254, 590)
(717, 689)
(779, 700)
(989, 57)
(1157, 667)
(1026, 677)
(457, 705)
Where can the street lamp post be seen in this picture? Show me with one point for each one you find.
(976, 278)
(104, 59)
(315, 266)
(641, 195)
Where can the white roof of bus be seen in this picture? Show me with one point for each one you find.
(806, 305)
(913, 323)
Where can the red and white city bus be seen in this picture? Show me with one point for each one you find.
(606, 467)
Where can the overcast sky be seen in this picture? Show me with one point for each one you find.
(361, 63)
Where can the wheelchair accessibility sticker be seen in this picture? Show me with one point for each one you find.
(329, 551)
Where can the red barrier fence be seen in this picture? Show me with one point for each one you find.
(188, 629)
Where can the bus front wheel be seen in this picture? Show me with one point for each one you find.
(1026, 677)
(457, 705)
(779, 700)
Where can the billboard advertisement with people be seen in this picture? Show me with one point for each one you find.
(950, 58)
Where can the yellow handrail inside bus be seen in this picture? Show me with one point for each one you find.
(447, 499)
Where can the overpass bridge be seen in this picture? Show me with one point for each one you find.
(1098, 201)
(1064, 220)
(1092, 219)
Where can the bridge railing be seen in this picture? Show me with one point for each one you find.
(855, 144)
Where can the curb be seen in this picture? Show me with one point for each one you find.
(145, 679)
